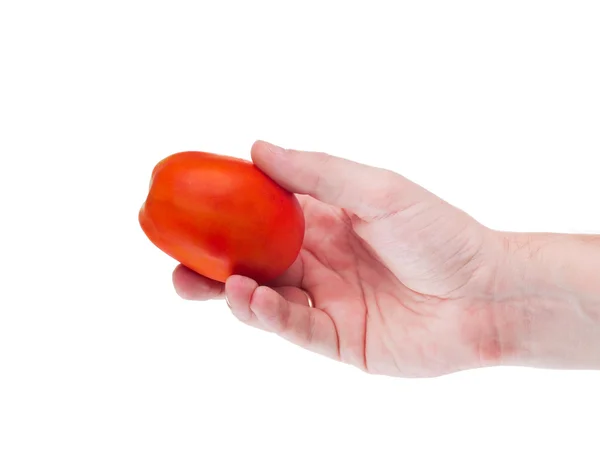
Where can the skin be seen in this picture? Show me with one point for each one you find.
(405, 284)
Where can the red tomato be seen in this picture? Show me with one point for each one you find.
(220, 216)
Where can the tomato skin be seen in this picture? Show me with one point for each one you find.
(221, 216)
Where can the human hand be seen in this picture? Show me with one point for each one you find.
(401, 280)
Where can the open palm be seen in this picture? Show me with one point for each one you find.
(398, 277)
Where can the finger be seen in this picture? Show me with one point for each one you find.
(307, 327)
(191, 286)
(366, 191)
(238, 291)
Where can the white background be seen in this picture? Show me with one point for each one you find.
(495, 106)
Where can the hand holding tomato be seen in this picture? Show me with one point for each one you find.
(401, 280)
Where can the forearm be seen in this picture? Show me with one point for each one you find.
(547, 300)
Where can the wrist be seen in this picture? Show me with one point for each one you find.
(546, 300)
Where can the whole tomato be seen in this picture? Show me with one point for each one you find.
(220, 216)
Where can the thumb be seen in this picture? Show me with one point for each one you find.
(366, 191)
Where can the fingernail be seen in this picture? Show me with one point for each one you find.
(227, 301)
